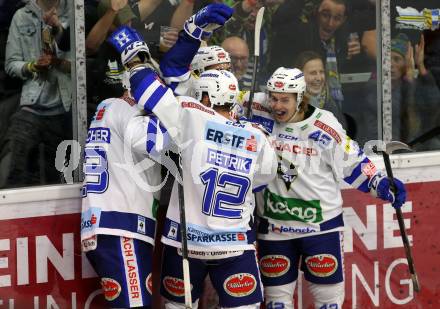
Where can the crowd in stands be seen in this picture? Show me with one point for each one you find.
(326, 39)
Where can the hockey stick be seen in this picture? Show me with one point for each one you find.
(386, 158)
(258, 23)
(185, 263)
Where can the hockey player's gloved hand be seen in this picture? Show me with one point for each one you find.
(202, 24)
(129, 43)
(380, 187)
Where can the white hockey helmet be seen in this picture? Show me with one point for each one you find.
(209, 55)
(289, 81)
(220, 85)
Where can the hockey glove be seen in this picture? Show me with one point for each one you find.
(129, 43)
(380, 187)
(201, 25)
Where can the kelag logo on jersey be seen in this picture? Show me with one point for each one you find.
(200, 236)
(291, 209)
(230, 161)
(90, 219)
(231, 137)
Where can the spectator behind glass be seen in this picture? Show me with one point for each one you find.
(29, 146)
(327, 34)
(10, 88)
(414, 99)
(239, 53)
(105, 71)
(311, 64)
(242, 25)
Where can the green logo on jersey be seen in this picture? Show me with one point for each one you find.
(304, 127)
(289, 129)
(291, 209)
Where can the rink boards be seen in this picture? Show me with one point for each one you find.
(41, 265)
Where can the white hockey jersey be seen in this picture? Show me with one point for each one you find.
(121, 181)
(314, 154)
(223, 162)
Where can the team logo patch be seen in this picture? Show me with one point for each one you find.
(174, 286)
(232, 87)
(322, 265)
(111, 288)
(100, 114)
(274, 265)
(279, 84)
(240, 285)
(251, 144)
(149, 283)
(221, 55)
(89, 244)
(368, 169)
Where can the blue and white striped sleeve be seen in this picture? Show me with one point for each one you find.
(153, 96)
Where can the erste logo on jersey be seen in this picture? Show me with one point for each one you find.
(230, 161)
(90, 219)
(240, 285)
(231, 137)
(99, 114)
(111, 288)
(274, 265)
(322, 265)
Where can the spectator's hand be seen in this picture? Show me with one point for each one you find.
(420, 56)
(44, 62)
(51, 18)
(117, 5)
(169, 38)
(410, 63)
(380, 187)
(353, 47)
(202, 24)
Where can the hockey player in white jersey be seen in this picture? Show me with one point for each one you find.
(210, 58)
(300, 211)
(223, 162)
(120, 199)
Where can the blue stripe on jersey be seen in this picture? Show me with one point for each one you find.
(174, 72)
(173, 85)
(166, 137)
(140, 82)
(364, 186)
(128, 221)
(151, 134)
(332, 223)
(357, 171)
(155, 98)
(258, 189)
